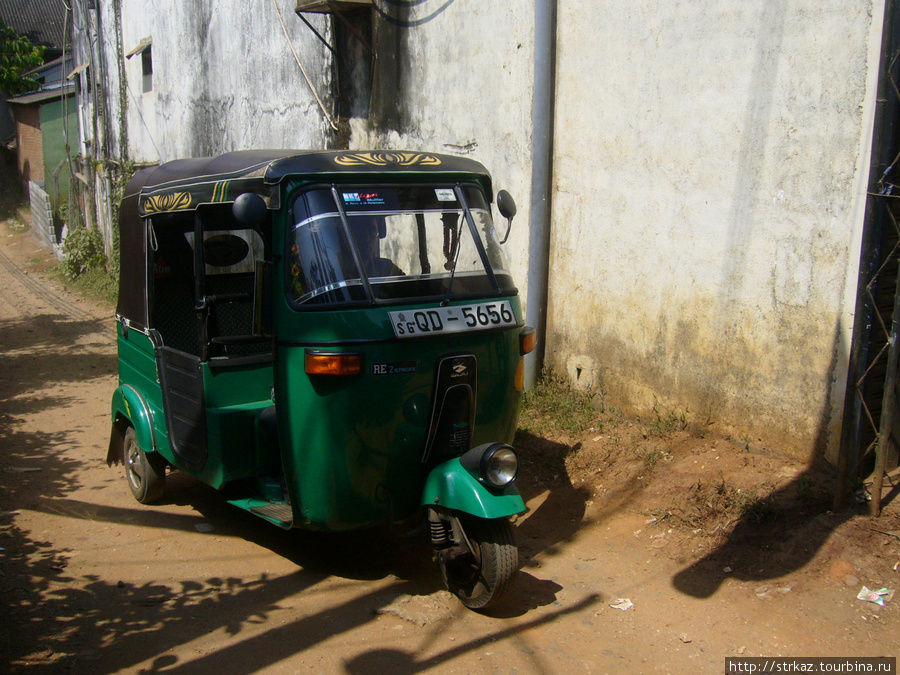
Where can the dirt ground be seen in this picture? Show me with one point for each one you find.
(644, 550)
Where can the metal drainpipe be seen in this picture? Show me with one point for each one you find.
(541, 177)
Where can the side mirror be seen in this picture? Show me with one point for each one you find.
(507, 207)
(249, 209)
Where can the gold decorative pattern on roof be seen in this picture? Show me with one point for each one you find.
(386, 158)
(173, 201)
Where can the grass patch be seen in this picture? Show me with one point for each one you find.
(552, 407)
(94, 284)
(666, 424)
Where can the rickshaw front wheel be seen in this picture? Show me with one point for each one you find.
(146, 473)
(480, 578)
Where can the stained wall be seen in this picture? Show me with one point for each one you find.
(710, 170)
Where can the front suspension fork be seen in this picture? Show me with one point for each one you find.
(448, 537)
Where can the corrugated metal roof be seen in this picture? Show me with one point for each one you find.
(41, 21)
(51, 76)
(43, 95)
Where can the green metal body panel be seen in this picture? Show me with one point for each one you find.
(235, 395)
(128, 404)
(137, 372)
(354, 445)
(451, 486)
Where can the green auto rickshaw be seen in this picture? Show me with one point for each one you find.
(330, 338)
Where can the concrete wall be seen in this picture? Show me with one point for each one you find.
(709, 195)
(224, 77)
(42, 224)
(450, 77)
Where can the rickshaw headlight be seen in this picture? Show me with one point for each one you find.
(494, 464)
(501, 466)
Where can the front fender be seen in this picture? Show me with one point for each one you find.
(130, 408)
(451, 486)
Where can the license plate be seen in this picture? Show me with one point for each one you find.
(460, 319)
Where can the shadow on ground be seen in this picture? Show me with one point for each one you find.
(779, 535)
(105, 626)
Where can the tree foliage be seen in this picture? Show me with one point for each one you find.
(17, 57)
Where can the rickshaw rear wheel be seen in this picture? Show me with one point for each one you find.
(146, 474)
(482, 578)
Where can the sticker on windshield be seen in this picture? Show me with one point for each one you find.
(363, 198)
(445, 195)
(483, 316)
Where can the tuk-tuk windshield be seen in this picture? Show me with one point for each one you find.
(400, 243)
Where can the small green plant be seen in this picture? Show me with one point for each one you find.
(666, 424)
(85, 260)
(758, 506)
(653, 456)
(85, 263)
(83, 252)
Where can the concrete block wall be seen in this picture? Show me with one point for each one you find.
(42, 225)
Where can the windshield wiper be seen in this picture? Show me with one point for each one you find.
(473, 232)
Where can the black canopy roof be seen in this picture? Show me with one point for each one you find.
(183, 185)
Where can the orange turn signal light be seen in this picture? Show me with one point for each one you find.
(332, 363)
(527, 340)
(520, 375)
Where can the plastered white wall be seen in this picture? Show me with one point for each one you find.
(708, 165)
(224, 77)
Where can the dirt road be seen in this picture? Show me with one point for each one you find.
(95, 583)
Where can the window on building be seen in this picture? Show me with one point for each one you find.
(144, 49)
(147, 68)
